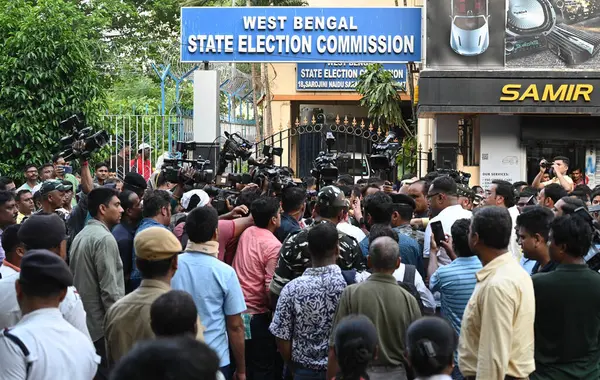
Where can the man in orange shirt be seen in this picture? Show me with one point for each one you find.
(141, 164)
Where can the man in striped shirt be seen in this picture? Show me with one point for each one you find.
(456, 281)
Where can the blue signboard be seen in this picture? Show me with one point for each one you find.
(340, 76)
(300, 34)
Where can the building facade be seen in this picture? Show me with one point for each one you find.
(313, 93)
(497, 97)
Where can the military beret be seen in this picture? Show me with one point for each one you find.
(403, 199)
(42, 267)
(42, 231)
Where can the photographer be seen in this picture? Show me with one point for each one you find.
(560, 166)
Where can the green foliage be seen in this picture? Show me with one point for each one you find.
(242, 3)
(380, 95)
(47, 73)
(408, 156)
(139, 94)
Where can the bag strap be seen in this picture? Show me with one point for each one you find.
(409, 274)
(22, 346)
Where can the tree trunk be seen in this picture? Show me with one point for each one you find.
(267, 116)
(255, 90)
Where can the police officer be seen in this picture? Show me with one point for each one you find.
(43, 345)
(42, 232)
(294, 257)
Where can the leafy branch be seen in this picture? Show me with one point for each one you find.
(380, 95)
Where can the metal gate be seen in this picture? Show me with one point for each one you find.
(303, 142)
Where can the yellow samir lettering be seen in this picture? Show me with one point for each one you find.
(532, 93)
(550, 93)
(584, 90)
(554, 95)
(510, 92)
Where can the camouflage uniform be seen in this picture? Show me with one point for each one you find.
(418, 235)
(294, 257)
(49, 186)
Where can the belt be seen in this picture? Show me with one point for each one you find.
(507, 377)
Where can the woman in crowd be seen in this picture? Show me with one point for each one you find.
(355, 347)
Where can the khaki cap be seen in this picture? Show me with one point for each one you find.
(156, 243)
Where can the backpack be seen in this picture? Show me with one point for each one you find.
(408, 284)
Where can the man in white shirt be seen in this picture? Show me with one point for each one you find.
(444, 206)
(347, 228)
(43, 345)
(42, 232)
(502, 194)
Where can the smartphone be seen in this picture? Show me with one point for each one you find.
(438, 232)
(68, 169)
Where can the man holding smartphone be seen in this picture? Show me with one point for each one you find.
(444, 206)
(65, 172)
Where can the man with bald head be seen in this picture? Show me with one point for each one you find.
(391, 308)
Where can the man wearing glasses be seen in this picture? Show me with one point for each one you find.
(31, 178)
(443, 203)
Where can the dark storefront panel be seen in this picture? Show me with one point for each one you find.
(550, 136)
(516, 92)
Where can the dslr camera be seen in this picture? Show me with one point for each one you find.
(546, 165)
(82, 142)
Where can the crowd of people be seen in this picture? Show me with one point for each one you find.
(141, 278)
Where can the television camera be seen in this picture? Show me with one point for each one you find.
(384, 154)
(221, 197)
(324, 166)
(82, 141)
(172, 166)
(235, 147)
(278, 177)
(457, 175)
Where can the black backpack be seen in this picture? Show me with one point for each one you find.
(407, 283)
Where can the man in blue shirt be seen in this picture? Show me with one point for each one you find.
(293, 201)
(157, 213)
(379, 209)
(125, 231)
(215, 288)
(456, 281)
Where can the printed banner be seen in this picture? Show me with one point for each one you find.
(340, 76)
(300, 34)
(529, 34)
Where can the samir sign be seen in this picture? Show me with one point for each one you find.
(547, 93)
(300, 34)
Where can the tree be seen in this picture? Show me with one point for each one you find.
(380, 95)
(47, 73)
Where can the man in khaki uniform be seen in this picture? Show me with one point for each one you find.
(128, 320)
